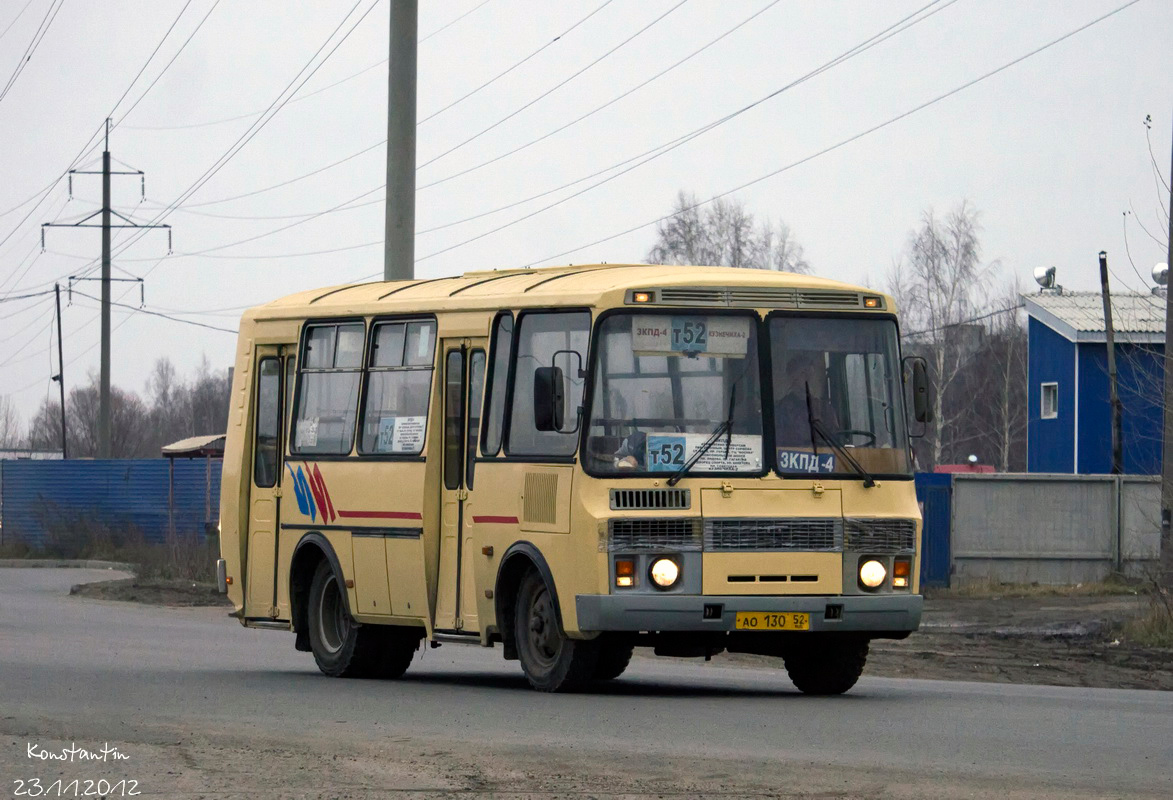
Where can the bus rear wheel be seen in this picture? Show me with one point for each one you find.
(344, 649)
(552, 662)
(828, 666)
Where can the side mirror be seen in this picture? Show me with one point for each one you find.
(923, 396)
(549, 399)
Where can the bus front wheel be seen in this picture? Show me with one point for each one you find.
(552, 662)
(344, 649)
(830, 666)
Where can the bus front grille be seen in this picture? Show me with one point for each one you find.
(637, 535)
(881, 535)
(795, 533)
(642, 499)
(757, 296)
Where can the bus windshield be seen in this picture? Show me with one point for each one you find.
(664, 382)
(836, 381)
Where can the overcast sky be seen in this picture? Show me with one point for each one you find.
(1052, 151)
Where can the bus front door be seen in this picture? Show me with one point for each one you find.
(464, 378)
(265, 486)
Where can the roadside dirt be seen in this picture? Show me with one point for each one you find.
(1052, 639)
(223, 764)
(156, 592)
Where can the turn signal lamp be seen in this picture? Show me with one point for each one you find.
(624, 573)
(871, 302)
(641, 297)
(901, 573)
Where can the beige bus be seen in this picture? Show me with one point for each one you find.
(573, 462)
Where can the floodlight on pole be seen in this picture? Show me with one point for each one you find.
(1045, 277)
(1161, 274)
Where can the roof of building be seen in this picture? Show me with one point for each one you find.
(210, 445)
(582, 285)
(1079, 316)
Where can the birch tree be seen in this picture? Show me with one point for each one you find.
(939, 284)
(724, 233)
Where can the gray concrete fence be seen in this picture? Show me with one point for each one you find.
(1054, 529)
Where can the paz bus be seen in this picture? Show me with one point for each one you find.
(573, 462)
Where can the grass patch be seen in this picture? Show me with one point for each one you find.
(186, 557)
(1154, 627)
(1113, 585)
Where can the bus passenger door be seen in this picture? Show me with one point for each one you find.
(265, 483)
(464, 377)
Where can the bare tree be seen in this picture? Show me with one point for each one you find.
(128, 423)
(939, 284)
(11, 430)
(724, 233)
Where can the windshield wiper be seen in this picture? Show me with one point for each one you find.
(726, 428)
(816, 427)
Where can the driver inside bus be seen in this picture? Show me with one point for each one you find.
(805, 369)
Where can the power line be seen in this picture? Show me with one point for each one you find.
(655, 153)
(382, 142)
(19, 14)
(140, 310)
(597, 109)
(515, 65)
(552, 89)
(862, 47)
(844, 142)
(151, 57)
(969, 321)
(443, 28)
(38, 37)
(167, 66)
(306, 96)
(274, 108)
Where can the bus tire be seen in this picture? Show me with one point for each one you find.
(342, 648)
(551, 661)
(614, 656)
(830, 666)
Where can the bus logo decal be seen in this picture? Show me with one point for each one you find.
(321, 494)
(301, 489)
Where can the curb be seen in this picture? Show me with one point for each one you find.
(69, 563)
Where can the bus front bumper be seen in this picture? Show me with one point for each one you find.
(879, 614)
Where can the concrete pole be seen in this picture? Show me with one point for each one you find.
(1167, 459)
(104, 450)
(1113, 392)
(399, 246)
(61, 370)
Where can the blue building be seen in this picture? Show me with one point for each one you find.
(1069, 422)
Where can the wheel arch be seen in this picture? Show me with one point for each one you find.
(310, 550)
(518, 559)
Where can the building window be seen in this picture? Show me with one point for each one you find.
(1050, 400)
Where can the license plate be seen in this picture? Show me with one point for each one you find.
(767, 621)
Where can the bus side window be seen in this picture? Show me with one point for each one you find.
(327, 398)
(545, 339)
(399, 384)
(502, 344)
(268, 422)
(476, 384)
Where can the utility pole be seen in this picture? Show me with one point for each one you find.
(60, 376)
(1167, 455)
(106, 212)
(1114, 395)
(399, 242)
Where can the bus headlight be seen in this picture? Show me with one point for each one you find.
(872, 573)
(664, 573)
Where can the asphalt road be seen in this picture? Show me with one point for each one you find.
(204, 706)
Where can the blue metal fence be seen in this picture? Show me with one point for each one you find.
(37, 497)
(935, 492)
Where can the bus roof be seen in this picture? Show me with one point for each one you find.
(591, 285)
